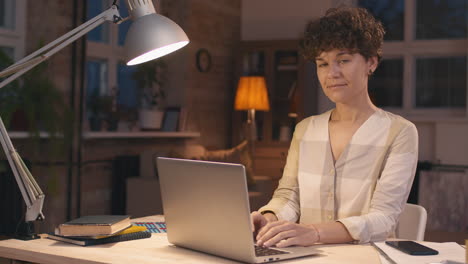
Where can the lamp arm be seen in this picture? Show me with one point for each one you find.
(30, 190)
(42, 54)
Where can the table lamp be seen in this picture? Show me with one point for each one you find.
(252, 95)
(149, 37)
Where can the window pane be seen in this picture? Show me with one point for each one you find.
(390, 12)
(96, 79)
(101, 33)
(2, 13)
(127, 93)
(441, 82)
(7, 14)
(123, 27)
(7, 56)
(386, 85)
(437, 19)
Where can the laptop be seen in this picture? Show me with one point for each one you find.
(206, 208)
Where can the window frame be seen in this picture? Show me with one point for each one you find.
(110, 51)
(101, 61)
(15, 38)
(411, 49)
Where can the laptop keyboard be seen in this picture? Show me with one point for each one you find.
(263, 251)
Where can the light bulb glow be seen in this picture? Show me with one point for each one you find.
(156, 53)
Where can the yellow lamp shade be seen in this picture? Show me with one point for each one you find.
(252, 94)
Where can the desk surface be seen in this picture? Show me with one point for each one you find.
(156, 250)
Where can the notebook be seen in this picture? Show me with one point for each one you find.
(84, 241)
(206, 207)
(94, 225)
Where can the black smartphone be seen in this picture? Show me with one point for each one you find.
(412, 248)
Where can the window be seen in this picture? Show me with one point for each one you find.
(106, 73)
(96, 81)
(96, 85)
(7, 14)
(441, 82)
(12, 27)
(436, 19)
(386, 85)
(391, 13)
(127, 96)
(123, 28)
(101, 33)
(425, 56)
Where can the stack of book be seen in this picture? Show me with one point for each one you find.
(99, 229)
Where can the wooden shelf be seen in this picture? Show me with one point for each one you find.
(140, 134)
(110, 135)
(25, 134)
(292, 67)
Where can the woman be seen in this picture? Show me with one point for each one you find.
(349, 170)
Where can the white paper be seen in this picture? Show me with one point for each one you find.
(447, 251)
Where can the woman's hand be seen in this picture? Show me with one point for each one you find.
(259, 220)
(284, 234)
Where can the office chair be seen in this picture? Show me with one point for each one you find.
(412, 223)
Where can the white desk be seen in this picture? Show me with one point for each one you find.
(156, 250)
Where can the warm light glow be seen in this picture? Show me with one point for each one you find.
(156, 53)
(252, 94)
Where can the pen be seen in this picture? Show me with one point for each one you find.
(383, 253)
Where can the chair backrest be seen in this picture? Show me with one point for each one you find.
(412, 223)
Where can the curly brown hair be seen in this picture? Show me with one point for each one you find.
(351, 28)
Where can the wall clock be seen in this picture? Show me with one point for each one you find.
(203, 60)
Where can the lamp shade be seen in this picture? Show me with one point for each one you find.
(151, 35)
(252, 94)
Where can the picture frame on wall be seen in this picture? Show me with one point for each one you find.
(171, 119)
(203, 60)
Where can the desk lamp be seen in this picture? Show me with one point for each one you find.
(252, 95)
(149, 37)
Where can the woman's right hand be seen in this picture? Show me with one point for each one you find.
(260, 220)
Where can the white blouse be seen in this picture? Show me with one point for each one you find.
(365, 189)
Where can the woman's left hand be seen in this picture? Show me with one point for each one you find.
(284, 234)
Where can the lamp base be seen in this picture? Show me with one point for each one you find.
(26, 232)
(27, 237)
(251, 126)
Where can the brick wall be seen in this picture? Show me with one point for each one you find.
(46, 21)
(213, 25)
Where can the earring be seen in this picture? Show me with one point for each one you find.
(370, 72)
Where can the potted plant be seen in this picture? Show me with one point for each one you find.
(41, 106)
(150, 78)
(10, 98)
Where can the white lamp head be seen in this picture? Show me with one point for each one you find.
(151, 35)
